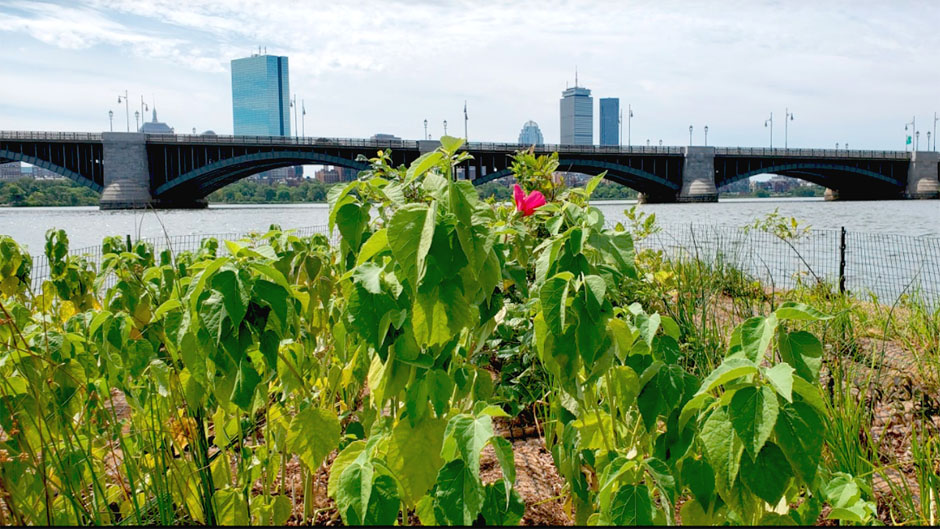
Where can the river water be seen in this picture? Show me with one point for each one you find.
(86, 226)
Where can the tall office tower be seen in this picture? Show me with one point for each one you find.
(610, 121)
(531, 134)
(260, 100)
(577, 116)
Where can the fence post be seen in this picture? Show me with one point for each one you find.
(842, 262)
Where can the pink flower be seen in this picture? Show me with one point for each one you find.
(529, 203)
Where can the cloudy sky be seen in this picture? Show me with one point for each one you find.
(850, 71)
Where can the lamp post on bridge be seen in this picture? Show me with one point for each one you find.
(706, 135)
(445, 127)
(143, 110)
(771, 121)
(425, 129)
(787, 116)
(935, 120)
(111, 119)
(690, 135)
(127, 109)
(908, 138)
(630, 117)
(917, 140)
(137, 120)
(928, 141)
(293, 104)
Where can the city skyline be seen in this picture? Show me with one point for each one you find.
(852, 72)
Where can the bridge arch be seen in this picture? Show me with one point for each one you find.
(824, 174)
(200, 182)
(12, 156)
(635, 179)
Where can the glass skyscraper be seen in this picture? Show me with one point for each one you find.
(260, 101)
(610, 121)
(577, 116)
(531, 134)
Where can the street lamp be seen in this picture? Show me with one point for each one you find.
(913, 125)
(846, 145)
(928, 140)
(445, 127)
(194, 131)
(771, 121)
(629, 117)
(917, 140)
(293, 104)
(706, 135)
(837, 146)
(127, 109)
(787, 116)
(111, 119)
(425, 129)
(143, 108)
(660, 142)
(935, 120)
(137, 120)
(690, 135)
(647, 142)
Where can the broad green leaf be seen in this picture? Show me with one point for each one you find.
(595, 289)
(231, 507)
(369, 276)
(469, 435)
(754, 336)
(799, 432)
(769, 475)
(354, 490)
(384, 504)
(730, 369)
(245, 384)
(450, 144)
(405, 240)
(424, 163)
(343, 460)
(553, 295)
(699, 477)
(753, 412)
(791, 310)
(373, 246)
(723, 449)
(624, 336)
(803, 351)
(440, 314)
(312, 435)
(503, 449)
(458, 494)
(165, 307)
(497, 509)
(810, 394)
(663, 479)
(780, 377)
(631, 505)
(414, 456)
(440, 389)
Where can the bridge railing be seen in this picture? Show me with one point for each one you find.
(565, 149)
(48, 136)
(282, 140)
(812, 153)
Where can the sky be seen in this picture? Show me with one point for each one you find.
(850, 72)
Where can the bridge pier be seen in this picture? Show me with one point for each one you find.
(923, 180)
(698, 175)
(126, 174)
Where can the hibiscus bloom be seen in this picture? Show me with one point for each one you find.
(527, 204)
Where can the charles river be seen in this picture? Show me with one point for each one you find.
(86, 226)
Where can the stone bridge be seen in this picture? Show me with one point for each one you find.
(134, 170)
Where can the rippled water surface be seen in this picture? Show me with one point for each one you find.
(87, 225)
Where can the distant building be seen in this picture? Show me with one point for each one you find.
(17, 170)
(610, 121)
(260, 100)
(384, 137)
(577, 116)
(531, 134)
(155, 127)
(335, 174)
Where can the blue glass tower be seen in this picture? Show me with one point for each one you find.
(531, 134)
(610, 121)
(260, 101)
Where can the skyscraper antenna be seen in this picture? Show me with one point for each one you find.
(575, 76)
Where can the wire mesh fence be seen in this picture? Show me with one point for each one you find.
(886, 266)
